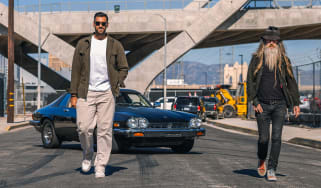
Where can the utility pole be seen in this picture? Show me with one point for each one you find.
(241, 55)
(39, 55)
(232, 54)
(165, 56)
(10, 87)
(221, 72)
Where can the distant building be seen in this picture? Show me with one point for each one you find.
(56, 64)
(235, 74)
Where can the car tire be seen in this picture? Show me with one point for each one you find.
(203, 117)
(48, 135)
(185, 147)
(215, 117)
(228, 111)
(119, 146)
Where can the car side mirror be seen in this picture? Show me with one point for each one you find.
(157, 104)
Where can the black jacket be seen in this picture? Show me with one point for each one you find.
(287, 83)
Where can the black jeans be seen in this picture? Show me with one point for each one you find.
(276, 113)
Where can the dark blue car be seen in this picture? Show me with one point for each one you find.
(136, 123)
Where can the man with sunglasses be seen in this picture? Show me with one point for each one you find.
(272, 88)
(99, 68)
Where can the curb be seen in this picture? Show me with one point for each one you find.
(306, 142)
(11, 127)
(297, 140)
(240, 129)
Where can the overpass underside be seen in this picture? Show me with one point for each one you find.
(142, 35)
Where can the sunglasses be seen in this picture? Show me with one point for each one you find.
(269, 41)
(100, 23)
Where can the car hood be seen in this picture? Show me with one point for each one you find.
(153, 114)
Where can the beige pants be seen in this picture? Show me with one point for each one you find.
(99, 107)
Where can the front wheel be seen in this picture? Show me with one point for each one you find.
(203, 117)
(228, 111)
(185, 147)
(48, 135)
(119, 145)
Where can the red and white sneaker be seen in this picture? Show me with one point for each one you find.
(261, 169)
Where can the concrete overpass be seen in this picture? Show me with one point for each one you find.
(141, 32)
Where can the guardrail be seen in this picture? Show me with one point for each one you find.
(122, 5)
(254, 4)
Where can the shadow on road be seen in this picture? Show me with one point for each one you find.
(251, 172)
(248, 172)
(152, 150)
(132, 150)
(63, 146)
(110, 170)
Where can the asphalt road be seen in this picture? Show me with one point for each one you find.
(220, 159)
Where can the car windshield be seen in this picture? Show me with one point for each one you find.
(132, 99)
(187, 101)
(210, 100)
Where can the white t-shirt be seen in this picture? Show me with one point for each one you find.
(98, 80)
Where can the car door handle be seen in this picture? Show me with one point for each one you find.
(66, 110)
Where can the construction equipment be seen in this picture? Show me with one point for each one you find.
(230, 105)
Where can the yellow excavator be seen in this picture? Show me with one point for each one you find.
(229, 105)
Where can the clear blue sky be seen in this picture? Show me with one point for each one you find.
(300, 51)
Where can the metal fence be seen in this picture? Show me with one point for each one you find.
(27, 103)
(309, 83)
(254, 4)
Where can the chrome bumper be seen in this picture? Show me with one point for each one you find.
(170, 133)
(36, 124)
(211, 113)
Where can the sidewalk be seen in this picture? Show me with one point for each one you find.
(303, 136)
(19, 121)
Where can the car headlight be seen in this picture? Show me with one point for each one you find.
(195, 123)
(132, 123)
(137, 123)
(142, 123)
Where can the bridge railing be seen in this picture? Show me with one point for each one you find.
(112, 5)
(255, 4)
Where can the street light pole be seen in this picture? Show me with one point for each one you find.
(39, 52)
(241, 55)
(165, 55)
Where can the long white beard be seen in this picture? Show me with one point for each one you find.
(271, 57)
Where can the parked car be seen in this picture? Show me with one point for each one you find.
(136, 123)
(305, 106)
(210, 104)
(191, 104)
(315, 105)
(169, 102)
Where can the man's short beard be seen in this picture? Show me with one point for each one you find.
(271, 57)
(100, 34)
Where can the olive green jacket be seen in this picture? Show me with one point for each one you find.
(117, 66)
(288, 84)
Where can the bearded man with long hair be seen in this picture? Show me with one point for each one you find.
(272, 88)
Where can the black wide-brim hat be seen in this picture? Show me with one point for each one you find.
(271, 33)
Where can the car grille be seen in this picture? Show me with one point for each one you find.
(169, 125)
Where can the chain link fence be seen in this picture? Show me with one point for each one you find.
(309, 83)
(26, 99)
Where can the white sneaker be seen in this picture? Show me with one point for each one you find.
(100, 173)
(85, 165)
(271, 175)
